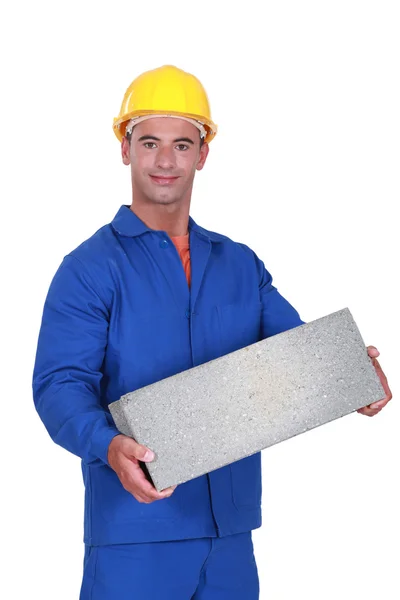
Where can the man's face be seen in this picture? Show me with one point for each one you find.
(164, 155)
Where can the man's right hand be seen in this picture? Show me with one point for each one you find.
(124, 455)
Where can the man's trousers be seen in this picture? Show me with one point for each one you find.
(195, 569)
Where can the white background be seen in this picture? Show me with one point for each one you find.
(304, 169)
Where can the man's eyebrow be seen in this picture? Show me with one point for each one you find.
(153, 137)
(148, 137)
(184, 139)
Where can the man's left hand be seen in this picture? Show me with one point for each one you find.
(373, 409)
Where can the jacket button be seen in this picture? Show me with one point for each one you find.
(187, 313)
(164, 244)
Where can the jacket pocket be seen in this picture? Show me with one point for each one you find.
(239, 325)
(246, 481)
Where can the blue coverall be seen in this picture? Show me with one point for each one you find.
(119, 315)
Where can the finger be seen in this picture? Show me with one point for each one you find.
(136, 482)
(367, 409)
(153, 494)
(172, 488)
(143, 453)
(146, 487)
(150, 491)
(140, 498)
(369, 412)
(383, 379)
(372, 351)
(167, 492)
(147, 499)
(378, 406)
(131, 474)
(134, 450)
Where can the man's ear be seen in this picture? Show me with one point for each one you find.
(125, 151)
(203, 156)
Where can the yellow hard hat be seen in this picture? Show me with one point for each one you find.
(165, 91)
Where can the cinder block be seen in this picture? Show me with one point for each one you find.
(233, 406)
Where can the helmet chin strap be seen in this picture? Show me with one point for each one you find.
(136, 120)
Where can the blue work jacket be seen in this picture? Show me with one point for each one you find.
(119, 315)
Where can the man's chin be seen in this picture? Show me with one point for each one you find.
(163, 199)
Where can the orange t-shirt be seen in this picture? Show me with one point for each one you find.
(182, 245)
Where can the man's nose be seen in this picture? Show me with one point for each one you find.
(165, 158)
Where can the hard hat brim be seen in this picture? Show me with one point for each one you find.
(119, 124)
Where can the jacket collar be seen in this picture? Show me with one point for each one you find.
(127, 223)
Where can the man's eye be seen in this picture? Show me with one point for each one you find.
(182, 146)
(148, 144)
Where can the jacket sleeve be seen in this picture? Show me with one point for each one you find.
(67, 371)
(278, 314)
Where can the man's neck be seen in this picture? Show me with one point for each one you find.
(173, 222)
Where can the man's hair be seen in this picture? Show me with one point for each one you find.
(129, 136)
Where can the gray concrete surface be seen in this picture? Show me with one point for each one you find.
(231, 407)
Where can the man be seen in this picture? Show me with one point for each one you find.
(147, 296)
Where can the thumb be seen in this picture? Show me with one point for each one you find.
(142, 453)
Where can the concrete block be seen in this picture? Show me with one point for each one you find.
(231, 407)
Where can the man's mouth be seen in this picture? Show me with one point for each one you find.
(163, 179)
